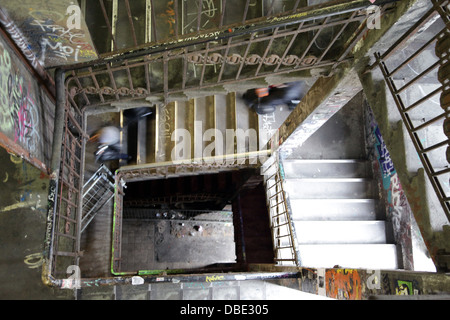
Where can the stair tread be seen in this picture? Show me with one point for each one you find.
(340, 232)
(335, 188)
(327, 168)
(375, 256)
(325, 160)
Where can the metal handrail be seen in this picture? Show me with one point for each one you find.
(280, 217)
(97, 191)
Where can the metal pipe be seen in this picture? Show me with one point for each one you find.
(47, 266)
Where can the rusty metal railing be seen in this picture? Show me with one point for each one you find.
(62, 243)
(312, 37)
(283, 233)
(415, 80)
(124, 25)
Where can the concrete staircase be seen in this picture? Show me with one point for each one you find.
(337, 216)
(186, 129)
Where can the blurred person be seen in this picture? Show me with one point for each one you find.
(265, 100)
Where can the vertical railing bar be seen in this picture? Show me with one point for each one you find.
(130, 79)
(113, 81)
(199, 14)
(176, 17)
(224, 3)
(244, 14)
(105, 16)
(270, 8)
(337, 36)
(224, 60)
(294, 36)
(114, 17)
(94, 79)
(312, 41)
(204, 64)
(359, 33)
(153, 17)
(130, 20)
(166, 76)
(266, 51)
(183, 86)
(295, 6)
(245, 55)
(147, 76)
(77, 80)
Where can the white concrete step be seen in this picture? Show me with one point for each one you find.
(370, 256)
(335, 209)
(336, 188)
(340, 232)
(339, 168)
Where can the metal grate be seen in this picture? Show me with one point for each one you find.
(283, 234)
(431, 146)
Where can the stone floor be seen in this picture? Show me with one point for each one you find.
(175, 244)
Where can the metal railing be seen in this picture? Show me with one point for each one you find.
(283, 234)
(97, 191)
(62, 241)
(414, 81)
(123, 25)
(314, 37)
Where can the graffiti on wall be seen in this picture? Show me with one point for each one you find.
(19, 114)
(399, 211)
(54, 31)
(343, 284)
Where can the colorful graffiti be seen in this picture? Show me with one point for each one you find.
(343, 284)
(399, 211)
(19, 117)
(53, 31)
(59, 44)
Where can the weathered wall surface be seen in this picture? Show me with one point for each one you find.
(398, 210)
(55, 31)
(26, 112)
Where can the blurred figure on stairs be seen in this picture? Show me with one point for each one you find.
(265, 100)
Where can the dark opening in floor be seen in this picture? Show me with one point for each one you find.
(180, 223)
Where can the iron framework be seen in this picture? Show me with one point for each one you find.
(320, 36)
